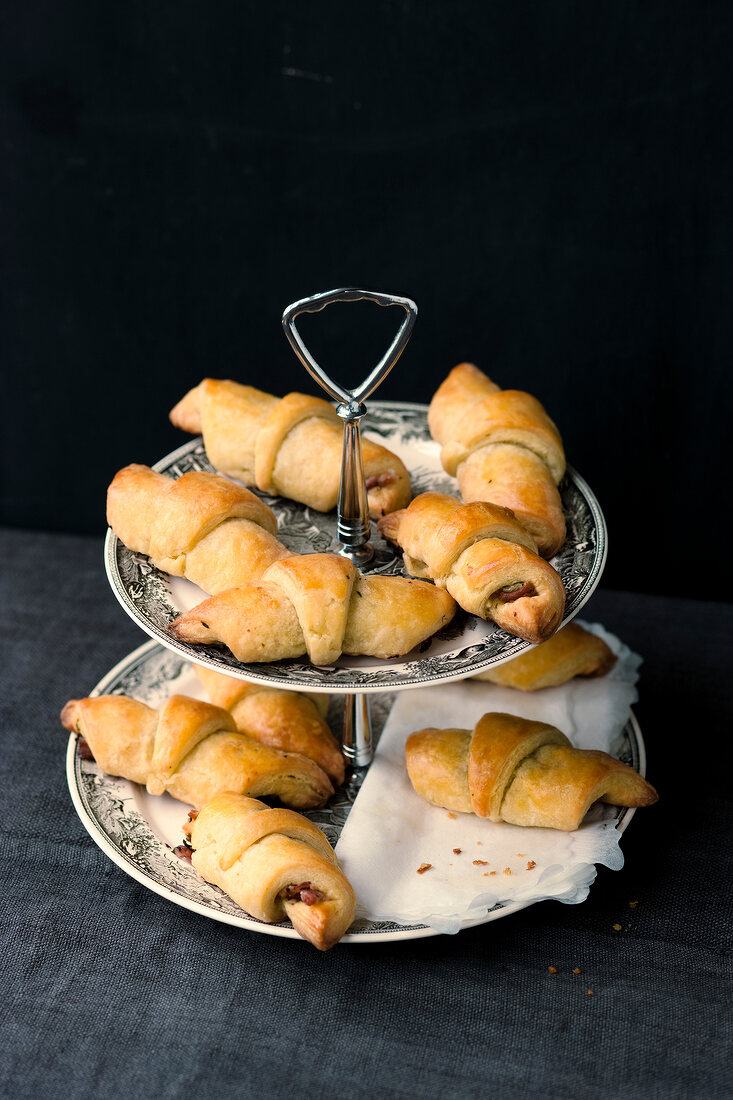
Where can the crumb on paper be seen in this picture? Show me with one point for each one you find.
(521, 855)
(457, 851)
(423, 868)
(481, 863)
(617, 927)
(552, 969)
(576, 970)
(479, 842)
(633, 904)
(531, 865)
(507, 870)
(492, 872)
(451, 815)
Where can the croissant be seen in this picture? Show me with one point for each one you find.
(289, 447)
(573, 651)
(503, 447)
(484, 557)
(525, 773)
(190, 749)
(200, 526)
(318, 604)
(274, 863)
(287, 720)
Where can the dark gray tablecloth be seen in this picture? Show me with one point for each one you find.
(111, 991)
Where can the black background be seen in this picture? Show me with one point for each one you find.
(550, 182)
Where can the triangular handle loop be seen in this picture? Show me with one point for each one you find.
(315, 304)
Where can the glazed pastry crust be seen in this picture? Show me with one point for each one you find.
(380, 617)
(201, 526)
(572, 652)
(503, 447)
(254, 853)
(289, 447)
(480, 553)
(191, 750)
(522, 772)
(287, 720)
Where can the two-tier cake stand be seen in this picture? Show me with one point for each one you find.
(137, 830)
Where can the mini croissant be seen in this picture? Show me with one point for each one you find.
(287, 720)
(484, 557)
(190, 749)
(200, 526)
(289, 447)
(522, 772)
(503, 447)
(274, 863)
(572, 652)
(320, 605)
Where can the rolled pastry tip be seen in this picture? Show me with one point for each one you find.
(275, 864)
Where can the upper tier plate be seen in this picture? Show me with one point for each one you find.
(466, 646)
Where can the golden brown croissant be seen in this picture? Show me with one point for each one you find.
(274, 863)
(200, 526)
(503, 447)
(291, 721)
(484, 557)
(573, 651)
(525, 773)
(318, 604)
(190, 749)
(289, 447)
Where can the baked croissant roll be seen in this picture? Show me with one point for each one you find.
(291, 721)
(503, 447)
(201, 526)
(274, 863)
(190, 749)
(484, 557)
(320, 605)
(572, 652)
(522, 772)
(289, 447)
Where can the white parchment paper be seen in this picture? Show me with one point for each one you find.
(391, 831)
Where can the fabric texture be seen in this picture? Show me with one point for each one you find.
(111, 991)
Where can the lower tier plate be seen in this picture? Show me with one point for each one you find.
(138, 831)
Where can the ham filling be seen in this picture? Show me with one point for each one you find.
(84, 749)
(378, 481)
(514, 592)
(303, 892)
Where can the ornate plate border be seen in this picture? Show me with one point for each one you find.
(109, 812)
(146, 594)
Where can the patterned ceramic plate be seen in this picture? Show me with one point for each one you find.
(465, 646)
(138, 831)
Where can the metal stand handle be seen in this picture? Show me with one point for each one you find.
(353, 511)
